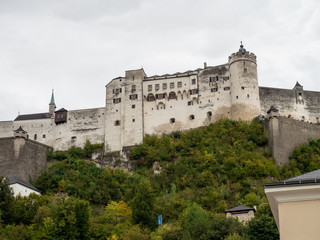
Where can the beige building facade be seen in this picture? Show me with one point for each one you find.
(295, 204)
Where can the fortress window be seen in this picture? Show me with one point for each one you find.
(300, 93)
(191, 117)
(172, 85)
(150, 97)
(117, 100)
(43, 136)
(214, 89)
(164, 86)
(226, 88)
(117, 90)
(212, 79)
(247, 95)
(193, 81)
(245, 70)
(189, 103)
(172, 120)
(160, 96)
(35, 137)
(133, 88)
(133, 96)
(157, 87)
(133, 120)
(217, 78)
(117, 123)
(149, 88)
(242, 87)
(133, 106)
(225, 78)
(172, 95)
(193, 91)
(209, 114)
(179, 84)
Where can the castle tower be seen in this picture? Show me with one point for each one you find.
(245, 103)
(52, 105)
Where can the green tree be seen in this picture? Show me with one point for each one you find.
(6, 201)
(142, 205)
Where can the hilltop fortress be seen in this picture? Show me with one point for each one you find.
(137, 105)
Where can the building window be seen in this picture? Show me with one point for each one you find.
(35, 137)
(242, 87)
(150, 97)
(226, 88)
(133, 120)
(133, 96)
(214, 89)
(209, 114)
(193, 81)
(133, 88)
(164, 86)
(172, 120)
(117, 123)
(172, 95)
(157, 87)
(117, 100)
(191, 117)
(245, 70)
(172, 85)
(190, 103)
(179, 84)
(160, 96)
(133, 106)
(225, 78)
(193, 91)
(117, 90)
(43, 136)
(149, 88)
(247, 95)
(237, 97)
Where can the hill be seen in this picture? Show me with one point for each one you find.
(202, 173)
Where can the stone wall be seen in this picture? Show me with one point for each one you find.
(285, 134)
(21, 157)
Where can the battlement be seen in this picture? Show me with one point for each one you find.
(240, 56)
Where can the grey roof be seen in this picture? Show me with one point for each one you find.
(240, 208)
(308, 178)
(14, 179)
(33, 116)
(20, 129)
(272, 109)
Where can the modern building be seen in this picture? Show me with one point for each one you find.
(295, 205)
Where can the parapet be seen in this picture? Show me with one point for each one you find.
(240, 56)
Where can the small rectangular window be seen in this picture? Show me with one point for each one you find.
(179, 84)
(149, 88)
(193, 91)
(133, 120)
(133, 88)
(43, 136)
(117, 100)
(226, 88)
(193, 81)
(164, 86)
(214, 89)
(189, 103)
(133, 106)
(133, 96)
(117, 123)
(172, 85)
(157, 87)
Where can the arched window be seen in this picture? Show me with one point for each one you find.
(209, 114)
(172, 95)
(150, 97)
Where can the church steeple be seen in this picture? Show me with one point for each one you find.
(52, 105)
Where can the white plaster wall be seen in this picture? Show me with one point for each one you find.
(6, 129)
(21, 190)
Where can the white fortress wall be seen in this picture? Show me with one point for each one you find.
(6, 129)
(81, 125)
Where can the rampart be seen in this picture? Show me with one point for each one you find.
(286, 133)
(22, 157)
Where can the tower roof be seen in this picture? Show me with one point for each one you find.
(52, 99)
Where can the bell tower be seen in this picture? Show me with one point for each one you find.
(52, 105)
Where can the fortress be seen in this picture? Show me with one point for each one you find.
(137, 105)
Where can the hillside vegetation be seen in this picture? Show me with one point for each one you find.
(203, 172)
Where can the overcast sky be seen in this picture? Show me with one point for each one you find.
(76, 47)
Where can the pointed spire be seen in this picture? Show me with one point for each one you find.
(52, 99)
(242, 49)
